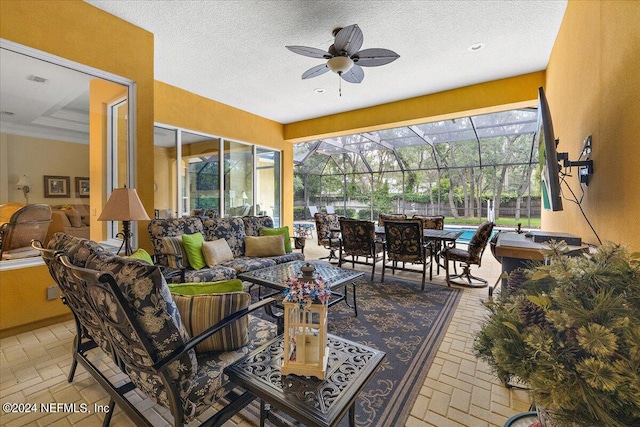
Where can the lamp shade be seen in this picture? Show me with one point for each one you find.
(340, 64)
(24, 181)
(124, 205)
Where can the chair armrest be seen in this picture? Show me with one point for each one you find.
(193, 342)
(177, 256)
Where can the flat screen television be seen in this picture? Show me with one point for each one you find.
(550, 174)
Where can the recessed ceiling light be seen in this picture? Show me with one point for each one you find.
(475, 47)
(319, 90)
(36, 79)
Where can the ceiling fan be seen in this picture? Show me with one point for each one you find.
(344, 57)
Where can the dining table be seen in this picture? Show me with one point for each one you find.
(439, 239)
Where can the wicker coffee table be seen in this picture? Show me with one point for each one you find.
(313, 402)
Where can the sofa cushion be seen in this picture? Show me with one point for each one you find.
(262, 246)
(293, 256)
(234, 285)
(253, 224)
(212, 274)
(244, 264)
(147, 292)
(200, 312)
(193, 247)
(230, 229)
(216, 252)
(173, 245)
(264, 231)
(77, 249)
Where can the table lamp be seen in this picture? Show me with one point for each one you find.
(124, 205)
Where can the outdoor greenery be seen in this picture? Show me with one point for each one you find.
(571, 332)
(451, 168)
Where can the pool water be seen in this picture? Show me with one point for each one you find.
(467, 233)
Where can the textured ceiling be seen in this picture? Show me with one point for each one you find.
(234, 51)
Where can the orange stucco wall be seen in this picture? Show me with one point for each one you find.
(593, 88)
(175, 106)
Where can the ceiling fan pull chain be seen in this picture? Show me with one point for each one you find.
(340, 84)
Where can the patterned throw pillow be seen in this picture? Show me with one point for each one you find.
(200, 312)
(173, 245)
(216, 252)
(259, 246)
(264, 231)
(193, 247)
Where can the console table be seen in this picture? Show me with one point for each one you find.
(308, 400)
(515, 250)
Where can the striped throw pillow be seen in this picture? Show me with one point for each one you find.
(173, 245)
(200, 312)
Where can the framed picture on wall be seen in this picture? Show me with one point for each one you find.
(82, 186)
(56, 186)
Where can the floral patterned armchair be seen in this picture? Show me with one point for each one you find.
(126, 306)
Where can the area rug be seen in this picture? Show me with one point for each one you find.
(408, 325)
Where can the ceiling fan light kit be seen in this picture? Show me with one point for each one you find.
(344, 56)
(340, 64)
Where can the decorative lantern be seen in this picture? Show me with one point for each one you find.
(305, 325)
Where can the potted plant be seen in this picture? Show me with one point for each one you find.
(570, 331)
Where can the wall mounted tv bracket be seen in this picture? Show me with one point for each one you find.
(585, 167)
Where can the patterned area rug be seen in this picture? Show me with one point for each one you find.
(408, 325)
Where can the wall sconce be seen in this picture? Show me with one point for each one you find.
(24, 184)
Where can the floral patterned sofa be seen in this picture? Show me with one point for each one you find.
(233, 229)
(124, 307)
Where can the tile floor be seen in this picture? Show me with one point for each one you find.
(459, 389)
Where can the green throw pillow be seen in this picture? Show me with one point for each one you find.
(266, 231)
(142, 255)
(195, 288)
(193, 247)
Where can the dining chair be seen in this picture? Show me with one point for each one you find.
(382, 217)
(404, 243)
(435, 222)
(328, 230)
(468, 257)
(358, 239)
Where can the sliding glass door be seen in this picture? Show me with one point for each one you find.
(248, 183)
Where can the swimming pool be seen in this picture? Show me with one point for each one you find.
(467, 233)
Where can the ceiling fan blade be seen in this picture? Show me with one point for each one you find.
(349, 39)
(374, 57)
(354, 75)
(309, 51)
(315, 71)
